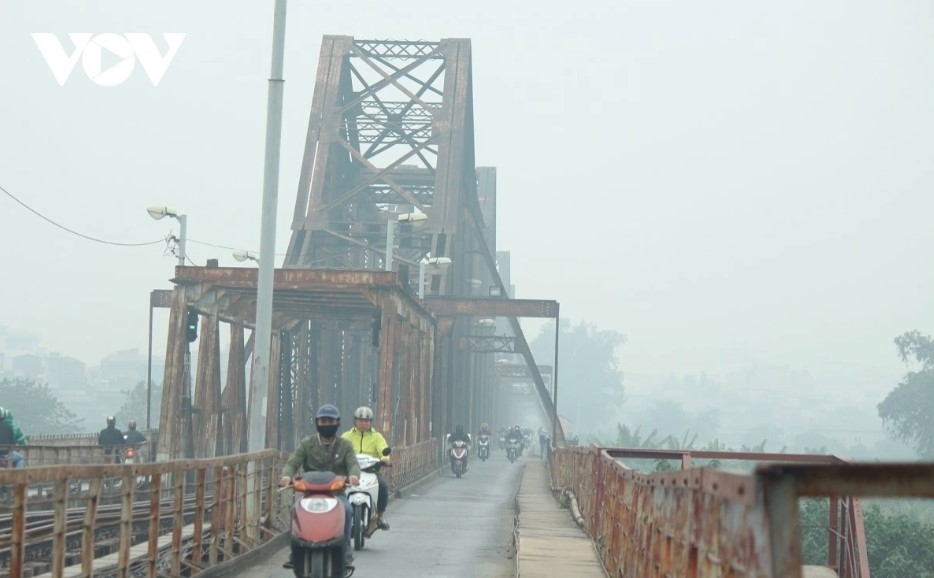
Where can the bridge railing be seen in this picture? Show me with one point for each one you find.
(413, 463)
(704, 522)
(169, 518)
(77, 439)
(51, 455)
(68, 509)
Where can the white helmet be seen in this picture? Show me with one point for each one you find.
(363, 412)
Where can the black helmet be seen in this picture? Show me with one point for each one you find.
(328, 410)
(131, 424)
(111, 420)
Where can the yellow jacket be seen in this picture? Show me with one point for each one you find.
(370, 442)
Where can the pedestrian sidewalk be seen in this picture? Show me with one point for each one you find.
(548, 542)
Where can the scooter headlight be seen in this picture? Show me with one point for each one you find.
(318, 505)
(358, 498)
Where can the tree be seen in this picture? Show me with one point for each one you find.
(908, 410)
(135, 406)
(35, 409)
(590, 382)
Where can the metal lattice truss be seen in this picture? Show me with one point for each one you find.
(391, 132)
(490, 343)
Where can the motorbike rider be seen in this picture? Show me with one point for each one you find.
(133, 437)
(367, 440)
(7, 440)
(325, 451)
(460, 435)
(111, 438)
(485, 431)
(515, 434)
(16, 458)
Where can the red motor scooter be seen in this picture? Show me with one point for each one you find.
(318, 527)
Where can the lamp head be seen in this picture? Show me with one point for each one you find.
(243, 256)
(161, 212)
(412, 218)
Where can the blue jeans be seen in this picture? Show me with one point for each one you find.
(348, 521)
(18, 460)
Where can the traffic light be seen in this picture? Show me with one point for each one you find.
(191, 328)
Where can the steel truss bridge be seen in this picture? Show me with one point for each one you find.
(428, 346)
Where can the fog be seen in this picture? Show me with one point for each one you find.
(734, 186)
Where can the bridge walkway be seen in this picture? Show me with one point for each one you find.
(548, 541)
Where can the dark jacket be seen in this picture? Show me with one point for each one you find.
(312, 455)
(109, 437)
(134, 438)
(462, 436)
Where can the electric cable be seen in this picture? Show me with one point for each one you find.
(72, 231)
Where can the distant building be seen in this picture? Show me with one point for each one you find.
(28, 365)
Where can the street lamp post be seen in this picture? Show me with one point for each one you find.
(162, 212)
(554, 377)
(413, 218)
(256, 438)
(423, 270)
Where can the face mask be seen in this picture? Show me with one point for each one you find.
(327, 431)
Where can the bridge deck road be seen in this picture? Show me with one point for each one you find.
(447, 527)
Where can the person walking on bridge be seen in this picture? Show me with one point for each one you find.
(543, 442)
(367, 440)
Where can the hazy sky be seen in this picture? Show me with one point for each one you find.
(723, 182)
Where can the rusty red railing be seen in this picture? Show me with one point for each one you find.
(703, 522)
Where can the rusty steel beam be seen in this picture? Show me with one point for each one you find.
(489, 343)
(487, 307)
(233, 416)
(207, 403)
(285, 279)
(512, 370)
(172, 416)
(160, 298)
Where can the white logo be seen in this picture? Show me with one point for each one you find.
(128, 48)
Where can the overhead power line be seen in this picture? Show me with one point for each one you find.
(104, 241)
(72, 231)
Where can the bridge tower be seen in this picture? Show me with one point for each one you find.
(391, 133)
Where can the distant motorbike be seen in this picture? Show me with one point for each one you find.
(363, 497)
(513, 449)
(459, 457)
(131, 456)
(317, 539)
(483, 447)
